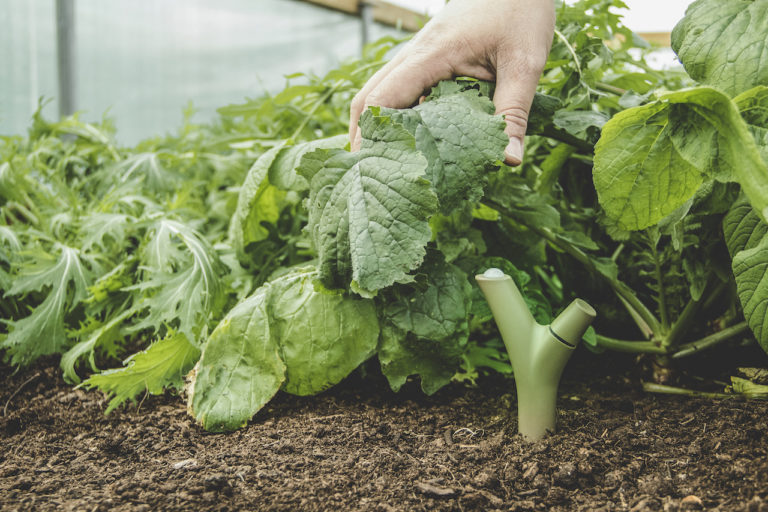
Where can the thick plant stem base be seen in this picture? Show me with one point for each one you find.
(538, 352)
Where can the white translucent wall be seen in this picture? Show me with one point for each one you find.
(142, 61)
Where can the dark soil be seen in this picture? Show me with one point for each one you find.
(362, 447)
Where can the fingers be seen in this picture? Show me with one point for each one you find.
(515, 87)
(358, 102)
(397, 86)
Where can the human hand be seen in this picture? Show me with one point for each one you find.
(506, 41)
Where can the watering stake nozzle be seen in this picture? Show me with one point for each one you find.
(538, 352)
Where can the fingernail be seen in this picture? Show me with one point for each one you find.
(513, 153)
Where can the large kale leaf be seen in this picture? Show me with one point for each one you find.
(369, 211)
(653, 158)
(747, 238)
(286, 335)
(722, 43)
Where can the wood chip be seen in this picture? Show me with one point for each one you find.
(531, 471)
(433, 490)
(186, 463)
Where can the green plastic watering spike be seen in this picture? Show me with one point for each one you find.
(538, 352)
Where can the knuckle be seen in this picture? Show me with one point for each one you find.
(516, 117)
(525, 63)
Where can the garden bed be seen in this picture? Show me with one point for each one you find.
(361, 447)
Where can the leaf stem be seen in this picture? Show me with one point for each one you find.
(621, 289)
(635, 347)
(688, 315)
(672, 390)
(571, 50)
(561, 135)
(602, 86)
(22, 210)
(552, 166)
(662, 295)
(314, 108)
(711, 340)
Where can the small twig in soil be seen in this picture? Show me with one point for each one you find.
(322, 418)
(146, 393)
(5, 408)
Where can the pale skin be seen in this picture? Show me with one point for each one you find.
(504, 41)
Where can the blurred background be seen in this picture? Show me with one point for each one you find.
(141, 62)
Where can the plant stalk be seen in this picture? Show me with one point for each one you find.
(621, 289)
(688, 315)
(320, 101)
(602, 86)
(634, 347)
(711, 340)
(663, 313)
(672, 390)
(552, 166)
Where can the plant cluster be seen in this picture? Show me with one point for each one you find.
(261, 252)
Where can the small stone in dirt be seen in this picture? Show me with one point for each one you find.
(691, 502)
(186, 463)
(565, 476)
(433, 490)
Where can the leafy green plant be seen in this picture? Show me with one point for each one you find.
(261, 252)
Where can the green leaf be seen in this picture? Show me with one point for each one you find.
(651, 159)
(750, 268)
(753, 106)
(185, 286)
(425, 327)
(42, 332)
(99, 228)
(748, 388)
(160, 366)
(240, 368)
(286, 334)
(323, 337)
(282, 171)
(722, 43)
(522, 202)
(639, 174)
(462, 140)
(585, 124)
(747, 238)
(147, 168)
(103, 333)
(9, 247)
(742, 227)
(369, 210)
(258, 202)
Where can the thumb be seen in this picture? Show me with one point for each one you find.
(515, 88)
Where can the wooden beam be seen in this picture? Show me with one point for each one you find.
(383, 12)
(348, 6)
(395, 15)
(660, 38)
